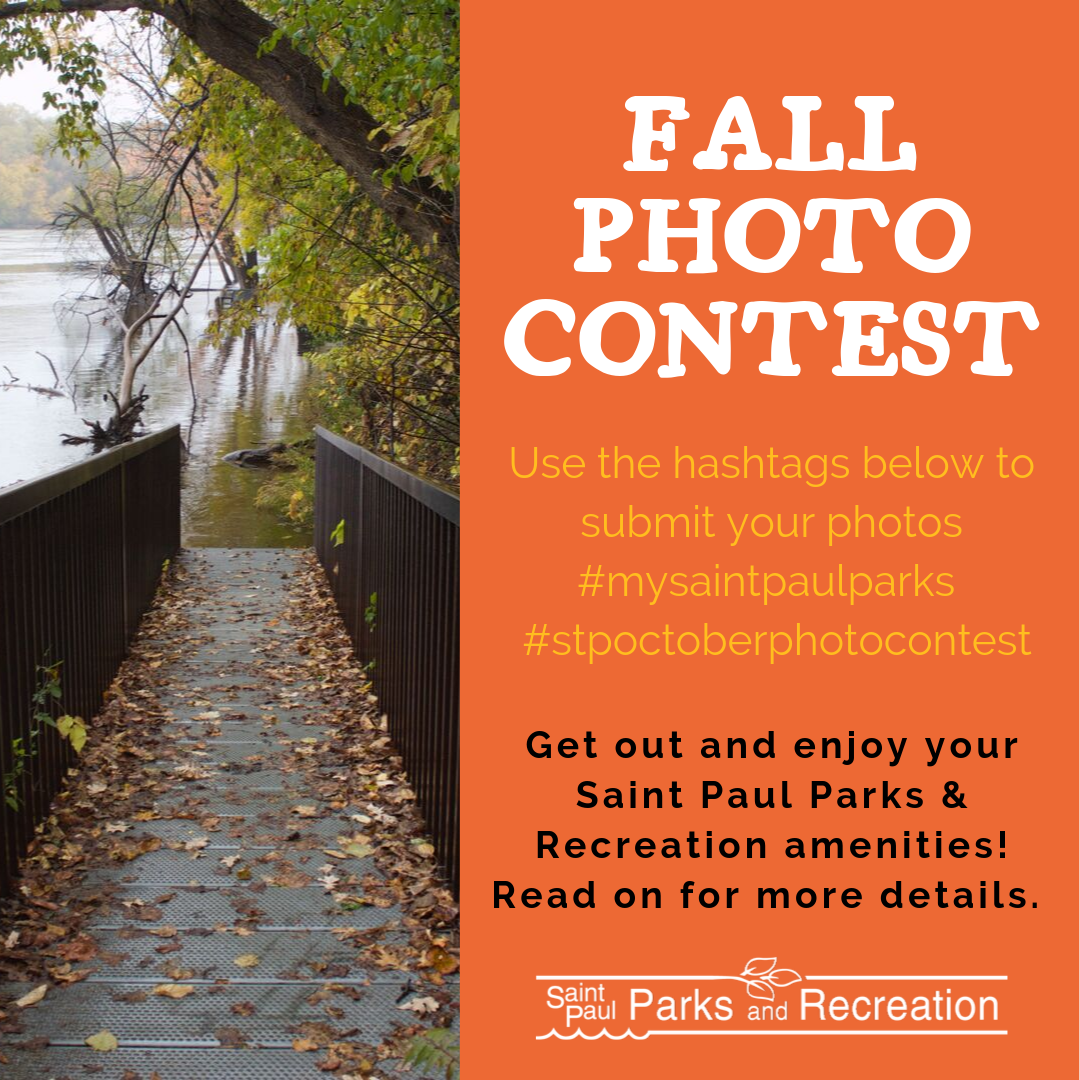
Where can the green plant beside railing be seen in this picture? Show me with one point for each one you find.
(45, 700)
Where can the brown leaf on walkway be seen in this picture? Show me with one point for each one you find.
(442, 961)
(132, 997)
(81, 949)
(345, 775)
(65, 976)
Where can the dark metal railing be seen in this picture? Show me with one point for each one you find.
(389, 542)
(81, 553)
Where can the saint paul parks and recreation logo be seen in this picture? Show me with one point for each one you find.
(767, 999)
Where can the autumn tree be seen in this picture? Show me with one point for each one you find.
(340, 124)
(357, 81)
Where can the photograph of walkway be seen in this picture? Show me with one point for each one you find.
(236, 881)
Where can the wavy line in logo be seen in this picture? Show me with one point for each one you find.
(603, 1033)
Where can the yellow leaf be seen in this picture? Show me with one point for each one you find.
(248, 960)
(73, 729)
(302, 1045)
(172, 990)
(103, 1041)
(33, 997)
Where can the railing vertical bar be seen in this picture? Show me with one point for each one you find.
(404, 549)
(75, 575)
(9, 658)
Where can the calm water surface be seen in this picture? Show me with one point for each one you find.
(247, 390)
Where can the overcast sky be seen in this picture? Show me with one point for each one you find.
(26, 87)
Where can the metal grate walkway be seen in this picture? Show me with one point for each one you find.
(255, 935)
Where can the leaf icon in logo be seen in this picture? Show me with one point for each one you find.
(783, 977)
(759, 966)
(758, 988)
(762, 977)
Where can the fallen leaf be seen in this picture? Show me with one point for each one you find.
(420, 1006)
(81, 948)
(134, 997)
(173, 990)
(304, 1045)
(103, 1041)
(33, 997)
(248, 960)
(443, 962)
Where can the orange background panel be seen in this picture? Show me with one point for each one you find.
(988, 96)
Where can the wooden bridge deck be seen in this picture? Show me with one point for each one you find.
(236, 883)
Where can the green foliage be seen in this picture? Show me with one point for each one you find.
(370, 612)
(57, 41)
(437, 1049)
(14, 774)
(400, 61)
(337, 534)
(44, 701)
(388, 374)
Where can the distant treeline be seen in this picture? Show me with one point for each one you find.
(33, 182)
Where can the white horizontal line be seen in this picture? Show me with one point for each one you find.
(761, 1031)
(780, 1031)
(807, 978)
(906, 978)
(613, 978)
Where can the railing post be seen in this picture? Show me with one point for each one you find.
(126, 592)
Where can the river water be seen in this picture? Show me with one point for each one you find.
(247, 391)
